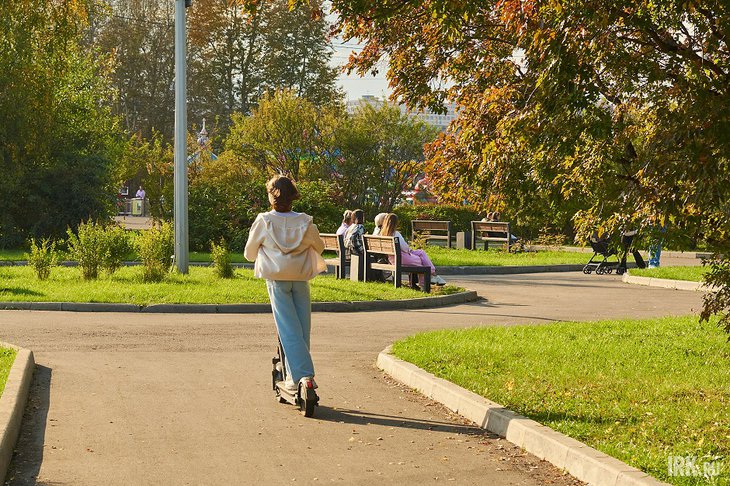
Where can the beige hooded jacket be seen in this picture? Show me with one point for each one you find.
(285, 247)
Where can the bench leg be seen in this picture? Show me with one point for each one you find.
(427, 282)
(397, 275)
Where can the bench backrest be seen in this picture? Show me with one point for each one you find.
(425, 225)
(428, 227)
(382, 245)
(480, 227)
(333, 242)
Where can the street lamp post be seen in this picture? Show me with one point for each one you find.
(181, 133)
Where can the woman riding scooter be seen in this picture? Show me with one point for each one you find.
(286, 248)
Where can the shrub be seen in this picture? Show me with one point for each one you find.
(155, 247)
(318, 201)
(87, 248)
(115, 246)
(221, 259)
(42, 257)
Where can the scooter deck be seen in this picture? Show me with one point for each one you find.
(290, 397)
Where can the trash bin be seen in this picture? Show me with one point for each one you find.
(463, 240)
(357, 268)
(137, 206)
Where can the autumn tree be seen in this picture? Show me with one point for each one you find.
(619, 105)
(234, 57)
(140, 37)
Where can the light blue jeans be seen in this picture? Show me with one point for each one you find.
(292, 308)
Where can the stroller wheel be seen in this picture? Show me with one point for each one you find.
(600, 271)
(609, 271)
(620, 271)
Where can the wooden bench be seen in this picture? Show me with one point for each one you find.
(428, 227)
(389, 246)
(490, 231)
(336, 243)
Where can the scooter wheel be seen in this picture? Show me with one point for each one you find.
(307, 401)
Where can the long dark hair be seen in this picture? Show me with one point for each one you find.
(282, 193)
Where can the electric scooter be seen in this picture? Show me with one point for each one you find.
(305, 397)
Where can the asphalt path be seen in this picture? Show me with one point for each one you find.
(186, 399)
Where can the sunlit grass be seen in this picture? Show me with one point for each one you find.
(199, 286)
(693, 274)
(497, 258)
(7, 357)
(638, 390)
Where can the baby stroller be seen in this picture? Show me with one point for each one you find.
(602, 247)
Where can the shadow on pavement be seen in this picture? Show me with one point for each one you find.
(360, 417)
(28, 455)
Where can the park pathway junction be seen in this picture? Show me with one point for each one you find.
(186, 399)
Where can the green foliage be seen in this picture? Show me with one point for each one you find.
(149, 162)
(460, 216)
(116, 245)
(380, 154)
(718, 302)
(58, 139)
(285, 134)
(156, 247)
(42, 257)
(225, 197)
(221, 259)
(87, 246)
(318, 200)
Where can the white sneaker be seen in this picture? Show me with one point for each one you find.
(436, 279)
(289, 385)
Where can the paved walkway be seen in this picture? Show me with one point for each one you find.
(186, 399)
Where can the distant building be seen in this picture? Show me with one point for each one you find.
(435, 120)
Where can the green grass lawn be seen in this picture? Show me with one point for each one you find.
(440, 257)
(7, 356)
(693, 274)
(496, 258)
(200, 286)
(201, 256)
(12, 255)
(638, 390)
(195, 256)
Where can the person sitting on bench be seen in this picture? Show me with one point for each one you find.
(410, 257)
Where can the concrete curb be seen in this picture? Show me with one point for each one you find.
(12, 403)
(581, 461)
(667, 283)
(355, 306)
